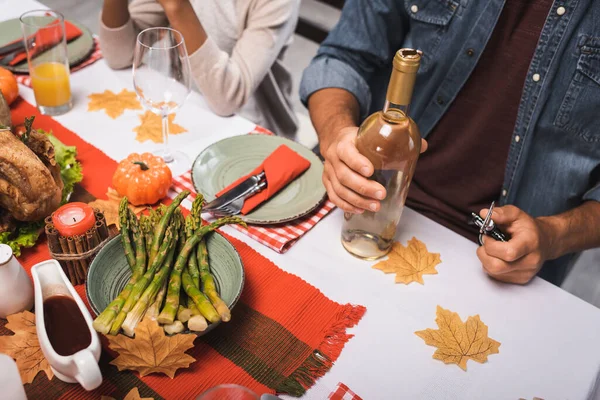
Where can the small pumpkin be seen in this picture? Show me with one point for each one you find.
(143, 178)
(8, 85)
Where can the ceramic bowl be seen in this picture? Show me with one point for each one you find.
(109, 272)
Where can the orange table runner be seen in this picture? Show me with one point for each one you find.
(284, 333)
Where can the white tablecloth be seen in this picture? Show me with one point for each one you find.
(550, 339)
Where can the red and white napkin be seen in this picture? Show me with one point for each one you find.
(279, 237)
(343, 392)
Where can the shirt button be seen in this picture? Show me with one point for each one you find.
(414, 8)
(561, 10)
(535, 77)
(504, 192)
(440, 100)
(517, 138)
(470, 52)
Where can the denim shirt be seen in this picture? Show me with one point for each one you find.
(554, 158)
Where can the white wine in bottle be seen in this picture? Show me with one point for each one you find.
(391, 140)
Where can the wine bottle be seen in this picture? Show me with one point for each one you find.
(390, 139)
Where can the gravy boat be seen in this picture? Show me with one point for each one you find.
(82, 367)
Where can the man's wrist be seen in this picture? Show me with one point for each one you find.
(554, 229)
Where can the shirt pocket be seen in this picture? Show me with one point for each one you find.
(429, 20)
(580, 108)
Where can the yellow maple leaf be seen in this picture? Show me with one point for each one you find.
(114, 104)
(24, 347)
(150, 127)
(150, 351)
(110, 207)
(457, 342)
(410, 263)
(134, 394)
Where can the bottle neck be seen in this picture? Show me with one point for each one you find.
(399, 94)
(395, 111)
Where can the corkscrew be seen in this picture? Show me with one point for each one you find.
(487, 227)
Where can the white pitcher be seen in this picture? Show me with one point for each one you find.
(16, 291)
(50, 280)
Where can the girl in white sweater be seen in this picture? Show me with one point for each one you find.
(235, 47)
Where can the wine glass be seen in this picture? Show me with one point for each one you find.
(161, 78)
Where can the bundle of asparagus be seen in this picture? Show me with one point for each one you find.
(171, 280)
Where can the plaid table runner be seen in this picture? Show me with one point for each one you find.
(96, 54)
(284, 333)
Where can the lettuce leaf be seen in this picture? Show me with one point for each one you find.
(70, 169)
(27, 233)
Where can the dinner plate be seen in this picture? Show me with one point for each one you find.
(109, 273)
(222, 163)
(78, 50)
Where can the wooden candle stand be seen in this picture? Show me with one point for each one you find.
(75, 253)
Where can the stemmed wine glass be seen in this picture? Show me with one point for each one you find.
(161, 78)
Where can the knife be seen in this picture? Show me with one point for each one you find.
(18, 45)
(234, 193)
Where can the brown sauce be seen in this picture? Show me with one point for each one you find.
(66, 328)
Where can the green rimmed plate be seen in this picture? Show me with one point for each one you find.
(227, 160)
(109, 272)
(78, 50)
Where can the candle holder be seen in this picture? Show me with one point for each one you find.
(75, 253)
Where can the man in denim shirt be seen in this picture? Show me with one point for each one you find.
(508, 98)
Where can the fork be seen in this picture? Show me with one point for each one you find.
(235, 207)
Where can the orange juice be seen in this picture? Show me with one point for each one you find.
(50, 82)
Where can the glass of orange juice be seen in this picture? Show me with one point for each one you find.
(46, 45)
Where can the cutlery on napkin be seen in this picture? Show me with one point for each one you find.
(280, 168)
(44, 39)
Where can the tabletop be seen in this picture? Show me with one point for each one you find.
(549, 338)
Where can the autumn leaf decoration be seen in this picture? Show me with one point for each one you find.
(110, 207)
(409, 263)
(24, 347)
(458, 341)
(150, 351)
(114, 104)
(150, 127)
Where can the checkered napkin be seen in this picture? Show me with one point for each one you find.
(279, 237)
(95, 56)
(343, 392)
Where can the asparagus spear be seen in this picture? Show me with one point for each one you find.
(137, 312)
(140, 285)
(167, 315)
(169, 311)
(159, 233)
(103, 322)
(140, 245)
(208, 283)
(192, 223)
(152, 312)
(202, 303)
(184, 314)
(197, 322)
(124, 221)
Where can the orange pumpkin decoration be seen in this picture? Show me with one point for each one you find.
(8, 85)
(143, 178)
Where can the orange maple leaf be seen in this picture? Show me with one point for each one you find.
(24, 347)
(410, 263)
(150, 127)
(114, 104)
(458, 341)
(150, 351)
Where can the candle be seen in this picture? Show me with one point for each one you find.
(73, 219)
